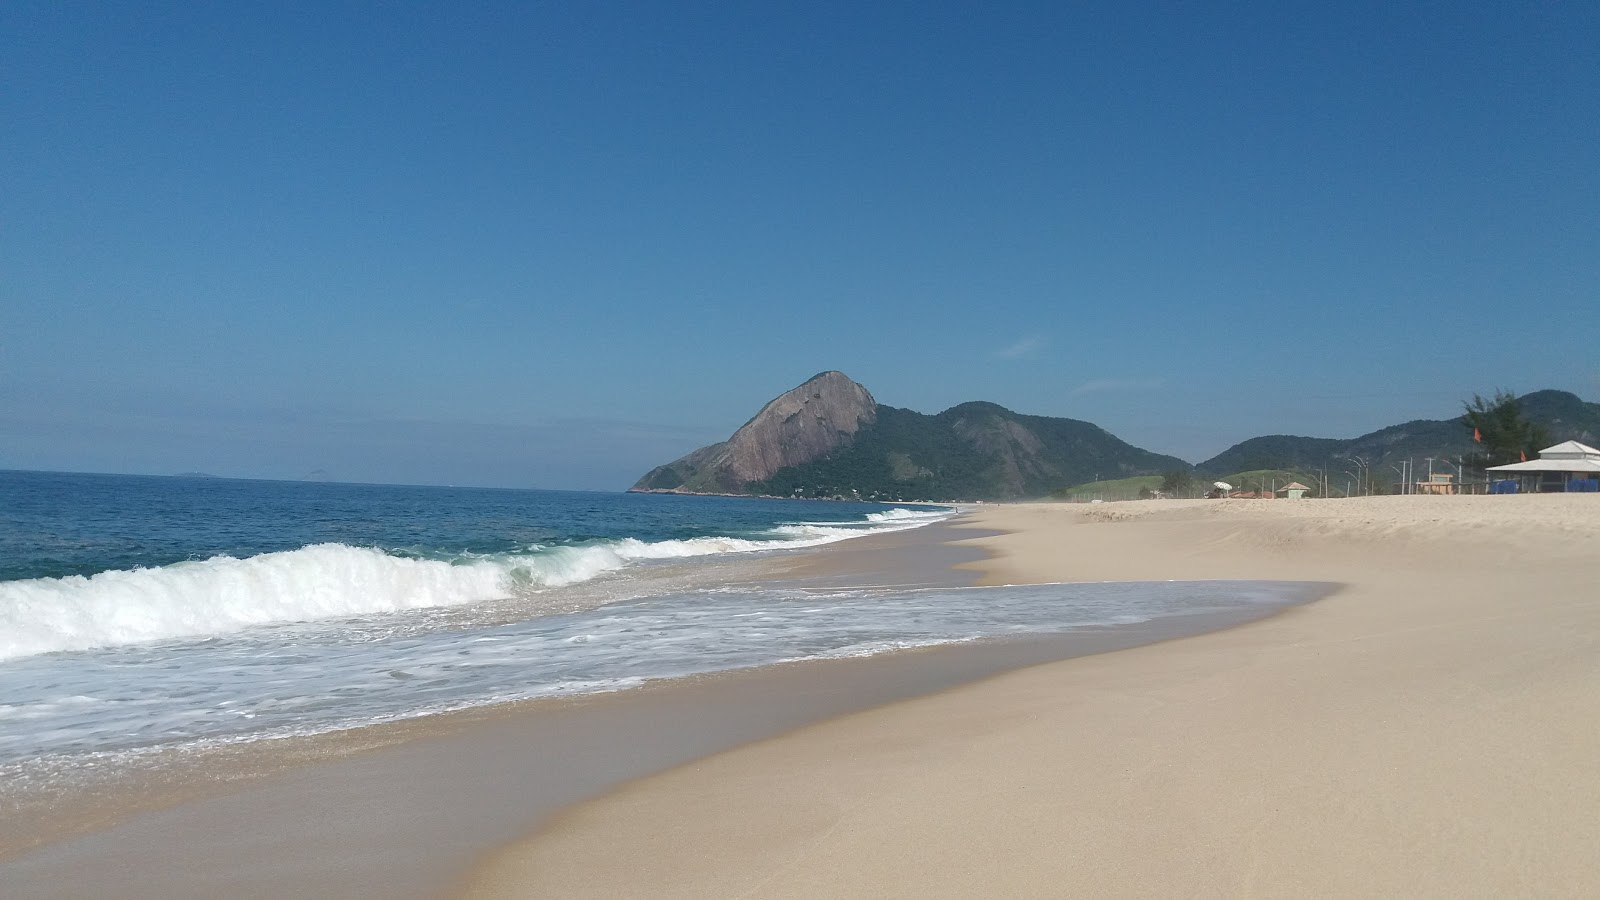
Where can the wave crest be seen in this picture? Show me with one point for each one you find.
(223, 594)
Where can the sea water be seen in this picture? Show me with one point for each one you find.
(139, 615)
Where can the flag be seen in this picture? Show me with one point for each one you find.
(1524, 455)
(1477, 436)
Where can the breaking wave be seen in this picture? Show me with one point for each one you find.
(330, 581)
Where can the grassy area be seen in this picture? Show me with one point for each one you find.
(1260, 480)
(1119, 489)
(1269, 479)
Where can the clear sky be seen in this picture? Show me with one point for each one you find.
(553, 245)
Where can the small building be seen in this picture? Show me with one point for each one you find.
(1568, 466)
(1294, 490)
(1438, 483)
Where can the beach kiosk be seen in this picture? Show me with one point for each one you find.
(1441, 483)
(1568, 466)
(1294, 490)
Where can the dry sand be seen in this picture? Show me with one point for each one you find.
(1431, 730)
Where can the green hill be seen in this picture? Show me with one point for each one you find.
(830, 438)
(1565, 415)
(1273, 451)
(975, 451)
(1135, 488)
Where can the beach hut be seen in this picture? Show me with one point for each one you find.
(1294, 490)
(1439, 483)
(1568, 466)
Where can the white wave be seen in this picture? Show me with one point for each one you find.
(222, 595)
(900, 514)
(897, 519)
(805, 530)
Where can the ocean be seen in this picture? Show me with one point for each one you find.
(142, 616)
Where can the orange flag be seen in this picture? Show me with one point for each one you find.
(1477, 436)
(1524, 455)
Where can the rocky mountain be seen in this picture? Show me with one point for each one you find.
(1565, 415)
(829, 438)
(801, 425)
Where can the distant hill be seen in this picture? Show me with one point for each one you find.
(1273, 451)
(1565, 415)
(1568, 417)
(829, 438)
(798, 426)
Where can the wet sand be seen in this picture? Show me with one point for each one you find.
(1428, 731)
(406, 810)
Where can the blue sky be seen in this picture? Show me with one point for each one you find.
(553, 245)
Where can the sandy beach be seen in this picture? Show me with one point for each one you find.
(405, 810)
(1432, 729)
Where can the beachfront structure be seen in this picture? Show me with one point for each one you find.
(1568, 466)
(1440, 483)
(1294, 490)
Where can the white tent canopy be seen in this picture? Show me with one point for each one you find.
(1568, 456)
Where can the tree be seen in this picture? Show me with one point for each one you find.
(1176, 482)
(1501, 433)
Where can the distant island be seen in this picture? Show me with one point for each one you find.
(830, 439)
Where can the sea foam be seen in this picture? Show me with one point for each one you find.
(224, 594)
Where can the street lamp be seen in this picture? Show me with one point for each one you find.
(1461, 475)
(1361, 465)
(1401, 471)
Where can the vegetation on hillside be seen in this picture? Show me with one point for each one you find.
(979, 451)
(1181, 485)
(1274, 451)
(1138, 487)
(1376, 460)
(975, 451)
(1501, 432)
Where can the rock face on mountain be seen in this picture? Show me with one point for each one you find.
(804, 424)
(828, 438)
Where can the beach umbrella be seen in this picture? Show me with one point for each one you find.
(1222, 485)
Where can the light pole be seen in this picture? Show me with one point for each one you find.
(1460, 474)
(1361, 465)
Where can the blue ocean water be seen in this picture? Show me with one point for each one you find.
(54, 524)
(140, 615)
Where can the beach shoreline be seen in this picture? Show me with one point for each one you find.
(168, 779)
(476, 763)
(844, 776)
(1427, 731)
